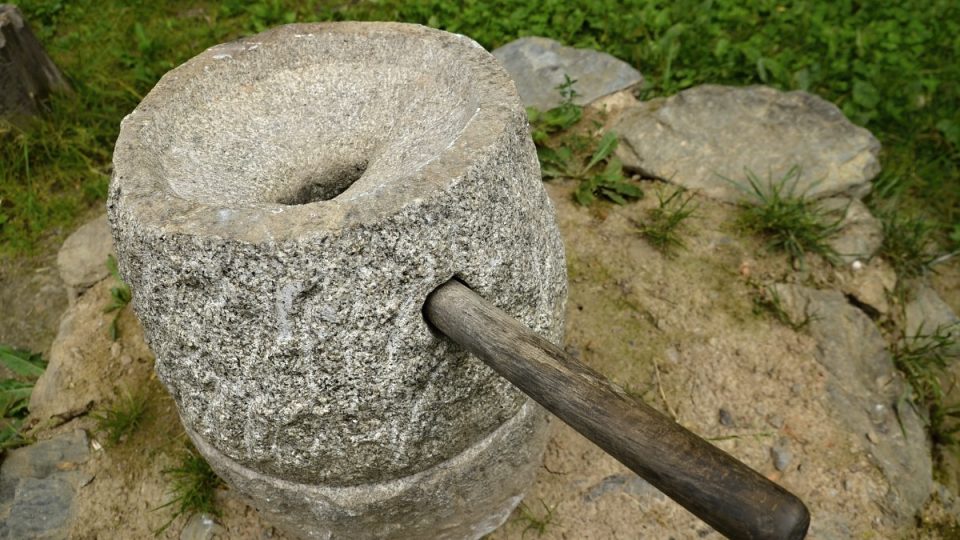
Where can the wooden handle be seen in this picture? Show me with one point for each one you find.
(734, 499)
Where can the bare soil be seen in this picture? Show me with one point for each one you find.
(682, 332)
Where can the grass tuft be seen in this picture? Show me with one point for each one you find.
(790, 222)
(923, 358)
(907, 244)
(661, 228)
(126, 415)
(768, 300)
(537, 524)
(120, 296)
(193, 485)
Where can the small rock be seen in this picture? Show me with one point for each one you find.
(82, 260)
(626, 483)
(726, 418)
(860, 233)
(781, 457)
(115, 349)
(775, 421)
(201, 526)
(706, 137)
(538, 65)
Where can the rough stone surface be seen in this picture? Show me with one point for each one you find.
(37, 487)
(489, 479)
(82, 260)
(77, 367)
(281, 239)
(860, 234)
(538, 65)
(707, 137)
(869, 283)
(865, 393)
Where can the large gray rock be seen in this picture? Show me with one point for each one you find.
(282, 205)
(865, 394)
(709, 137)
(538, 65)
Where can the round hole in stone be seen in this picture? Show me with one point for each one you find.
(324, 185)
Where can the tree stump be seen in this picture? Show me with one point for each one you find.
(27, 75)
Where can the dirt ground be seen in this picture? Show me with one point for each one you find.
(681, 332)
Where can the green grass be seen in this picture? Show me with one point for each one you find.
(15, 392)
(662, 227)
(532, 521)
(924, 358)
(193, 485)
(120, 296)
(123, 418)
(788, 221)
(908, 244)
(889, 66)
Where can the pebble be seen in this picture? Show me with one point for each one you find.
(781, 457)
(726, 418)
(201, 527)
(775, 421)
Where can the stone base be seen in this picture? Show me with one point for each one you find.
(467, 496)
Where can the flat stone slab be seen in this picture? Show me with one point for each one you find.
(865, 392)
(710, 137)
(537, 65)
(82, 260)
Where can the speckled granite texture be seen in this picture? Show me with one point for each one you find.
(283, 204)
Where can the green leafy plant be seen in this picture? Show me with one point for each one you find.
(123, 418)
(537, 524)
(15, 392)
(888, 65)
(120, 296)
(663, 222)
(560, 118)
(600, 173)
(193, 485)
(790, 222)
